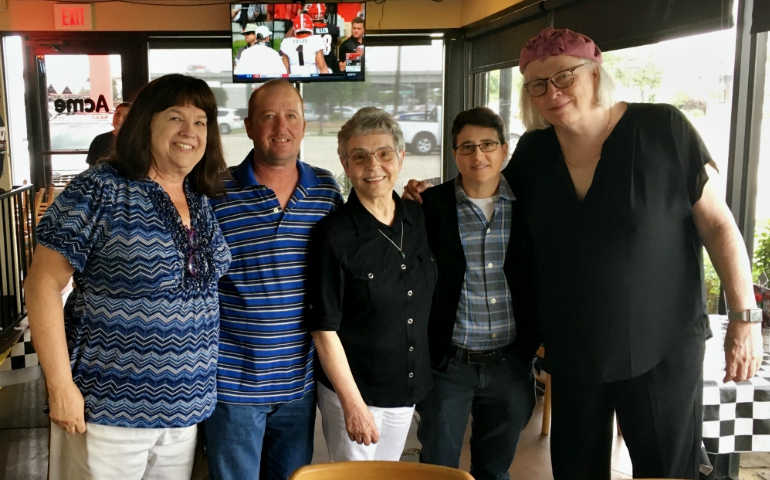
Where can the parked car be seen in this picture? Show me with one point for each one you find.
(311, 115)
(228, 120)
(422, 130)
(347, 112)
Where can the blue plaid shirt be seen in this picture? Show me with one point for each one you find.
(485, 311)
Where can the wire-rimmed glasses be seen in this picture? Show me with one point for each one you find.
(561, 79)
(193, 262)
(361, 157)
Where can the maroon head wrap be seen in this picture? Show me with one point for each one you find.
(551, 42)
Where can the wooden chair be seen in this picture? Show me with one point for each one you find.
(43, 199)
(377, 470)
(545, 378)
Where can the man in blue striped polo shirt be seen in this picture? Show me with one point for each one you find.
(265, 414)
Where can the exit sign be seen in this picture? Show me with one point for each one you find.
(73, 16)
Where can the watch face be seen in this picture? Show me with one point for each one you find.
(755, 315)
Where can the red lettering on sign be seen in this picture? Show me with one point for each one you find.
(73, 16)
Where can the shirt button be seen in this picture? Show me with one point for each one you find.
(410, 321)
(411, 374)
(403, 267)
(277, 209)
(310, 306)
(409, 293)
(489, 265)
(411, 349)
(371, 276)
(489, 230)
(494, 301)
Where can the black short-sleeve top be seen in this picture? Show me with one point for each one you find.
(619, 274)
(376, 299)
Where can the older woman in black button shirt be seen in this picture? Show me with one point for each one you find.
(373, 277)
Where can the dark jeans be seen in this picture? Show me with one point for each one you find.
(500, 397)
(660, 414)
(266, 442)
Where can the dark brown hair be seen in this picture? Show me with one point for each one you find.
(133, 157)
(359, 20)
(478, 117)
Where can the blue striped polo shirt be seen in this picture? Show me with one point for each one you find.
(265, 350)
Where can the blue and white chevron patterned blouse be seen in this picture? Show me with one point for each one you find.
(142, 333)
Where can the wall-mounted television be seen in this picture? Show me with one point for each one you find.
(302, 42)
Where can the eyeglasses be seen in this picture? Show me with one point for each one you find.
(361, 157)
(193, 262)
(469, 148)
(562, 79)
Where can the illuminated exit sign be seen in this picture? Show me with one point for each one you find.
(73, 16)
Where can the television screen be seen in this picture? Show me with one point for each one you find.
(302, 42)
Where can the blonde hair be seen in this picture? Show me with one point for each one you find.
(605, 97)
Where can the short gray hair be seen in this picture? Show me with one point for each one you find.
(368, 121)
(605, 97)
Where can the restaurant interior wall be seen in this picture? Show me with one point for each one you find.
(187, 16)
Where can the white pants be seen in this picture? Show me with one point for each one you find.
(106, 452)
(392, 424)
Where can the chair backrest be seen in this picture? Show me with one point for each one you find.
(376, 470)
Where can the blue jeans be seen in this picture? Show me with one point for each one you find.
(499, 396)
(266, 442)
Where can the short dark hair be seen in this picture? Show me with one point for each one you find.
(479, 117)
(270, 84)
(359, 20)
(124, 104)
(133, 157)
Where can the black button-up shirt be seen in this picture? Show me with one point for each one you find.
(378, 300)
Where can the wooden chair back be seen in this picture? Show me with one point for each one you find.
(377, 470)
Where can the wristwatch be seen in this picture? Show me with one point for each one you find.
(752, 315)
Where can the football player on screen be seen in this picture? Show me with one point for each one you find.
(329, 33)
(303, 54)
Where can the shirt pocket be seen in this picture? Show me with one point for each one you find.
(368, 284)
(429, 270)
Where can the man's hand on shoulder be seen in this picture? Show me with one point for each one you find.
(414, 188)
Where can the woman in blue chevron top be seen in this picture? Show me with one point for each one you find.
(130, 361)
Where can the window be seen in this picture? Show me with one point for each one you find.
(761, 263)
(693, 73)
(406, 81)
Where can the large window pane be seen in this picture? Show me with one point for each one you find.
(404, 80)
(76, 79)
(692, 73)
(762, 223)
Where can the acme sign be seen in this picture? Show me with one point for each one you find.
(73, 105)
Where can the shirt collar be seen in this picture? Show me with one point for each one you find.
(244, 173)
(366, 222)
(503, 190)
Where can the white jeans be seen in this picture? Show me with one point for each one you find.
(392, 424)
(120, 453)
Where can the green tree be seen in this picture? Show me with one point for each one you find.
(635, 72)
(761, 261)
